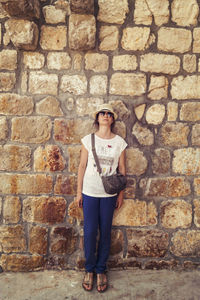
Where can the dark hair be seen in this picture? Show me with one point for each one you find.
(96, 122)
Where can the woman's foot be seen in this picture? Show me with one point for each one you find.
(87, 283)
(102, 283)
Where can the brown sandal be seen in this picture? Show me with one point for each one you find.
(87, 283)
(102, 281)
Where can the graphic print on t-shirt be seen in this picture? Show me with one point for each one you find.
(106, 158)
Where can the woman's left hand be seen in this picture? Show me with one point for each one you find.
(119, 200)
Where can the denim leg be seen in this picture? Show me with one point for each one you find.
(107, 207)
(91, 213)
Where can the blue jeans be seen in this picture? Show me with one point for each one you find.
(98, 214)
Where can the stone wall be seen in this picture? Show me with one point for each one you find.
(58, 61)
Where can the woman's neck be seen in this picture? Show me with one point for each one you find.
(104, 132)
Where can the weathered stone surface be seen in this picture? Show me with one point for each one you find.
(98, 85)
(137, 38)
(109, 36)
(24, 82)
(117, 242)
(77, 61)
(139, 111)
(176, 213)
(185, 13)
(130, 190)
(197, 185)
(128, 84)
(136, 162)
(65, 185)
(74, 84)
(7, 81)
(44, 210)
(135, 213)
(38, 240)
(155, 114)
(43, 83)
(120, 129)
(197, 212)
(75, 212)
(112, 12)
(15, 158)
(145, 243)
(31, 129)
(186, 161)
(63, 240)
(53, 38)
(189, 63)
(48, 159)
(3, 128)
(22, 262)
(54, 15)
(14, 104)
(12, 239)
(49, 106)
(160, 63)
(8, 59)
(33, 60)
(71, 131)
(22, 8)
(82, 32)
(185, 87)
(121, 109)
(160, 161)
(11, 210)
(190, 112)
(174, 134)
(158, 88)
(172, 111)
(186, 243)
(64, 5)
(196, 41)
(167, 187)
(82, 6)
(96, 62)
(147, 10)
(22, 33)
(58, 61)
(87, 106)
(196, 135)
(124, 62)
(162, 264)
(143, 134)
(74, 158)
(3, 13)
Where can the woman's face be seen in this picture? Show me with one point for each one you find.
(105, 118)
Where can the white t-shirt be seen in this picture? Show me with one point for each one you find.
(108, 152)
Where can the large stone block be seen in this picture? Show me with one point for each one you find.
(137, 38)
(117, 242)
(128, 84)
(8, 59)
(143, 135)
(7, 81)
(86, 106)
(186, 161)
(12, 239)
(158, 88)
(31, 129)
(65, 185)
(98, 85)
(197, 211)
(124, 62)
(190, 112)
(15, 158)
(196, 41)
(136, 162)
(172, 111)
(63, 240)
(43, 83)
(197, 186)
(22, 262)
(11, 210)
(147, 243)
(3, 128)
(189, 63)
(22, 8)
(44, 210)
(109, 37)
(186, 243)
(196, 135)
(58, 61)
(53, 38)
(22, 33)
(186, 87)
(160, 63)
(82, 6)
(49, 106)
(75, 212)
(33, 60)
(74, 84)
(82, 32)
(174, 134)
(161, 161)
(74, 153)
(155, 114)
(14, 104)
(112, 11)
(185, 13)
(121, 109)
(38, 240)
(96, 62)
(54, 15)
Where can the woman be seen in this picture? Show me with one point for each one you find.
(98, 206)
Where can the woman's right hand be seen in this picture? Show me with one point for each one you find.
(79, 200)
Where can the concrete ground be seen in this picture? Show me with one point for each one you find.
(127, 284)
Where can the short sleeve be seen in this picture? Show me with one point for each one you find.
(123, 145)
(86, 141)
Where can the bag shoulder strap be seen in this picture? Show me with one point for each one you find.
(94, 153)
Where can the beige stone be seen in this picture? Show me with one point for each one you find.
(38, 240)
(196, 212)
(155, 114)
(65, 185)
(77, 61)
(82, 6)
(196, 40)
(96, 62)
(53, 38)
(15, 158)
(43, 83)
(8, 59)
(137, 38)
(124, 62)
(128, 84)
(196, 135)
(190, 112)
(197, 186)
(22, 262)
(74, 153)
(75, 212)
(121, 109)
(186, 161)
(7, 81)
(136, 162)
(44, 210)
(3, 128)
(98, 85)
(58, 61)
(135, 213)
(22, 9)
(174, 39)
(109, 36)
(186, 243)
(120, 129)
(161, 161)
(49, 106)
(63, 240)
(14, 104)
(64, 5)
(3, 13)
(54, 15)
(24, 82)
(185, 13)
(33, 60)
(139, 111)
(144, 135)
(74, 84)
(12, 239)
(11, 210)
(82, 32)
(87, 106)
(22, 33)
(158, 88)
(174, 134)
(189, 63)
(185, 87)
(176, 213)
(111, 11)
(160, 63)
(172, 111)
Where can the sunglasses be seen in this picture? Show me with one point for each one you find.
(108, 113)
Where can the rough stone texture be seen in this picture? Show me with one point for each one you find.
(74, 157)
(49, 106)
(54, 15)
(43, 83)
(11, 210)
(136, 162)
(196, 135)
(158, 88)
(121, 109)
(174, 134)
(186, 243)
(124, 62)
(176, 213)
(53, 38)
(108, 36)
(31, 129)
(139, 111)
(22, 33)
(96, 62)
(155, 114)
(117, 241)
(22, 262)
(120, 129)
(8, 59)
(185, 13)
(109, 12)
(161, 161)
(22, 8)
(186, 161)
(137, 38)
(186, 87)
(197, 185)
(75, 212)
(82, 6)
(44, 210)
(82, 31)
(190, 112)
(33, 60)
(38, 240)
(12, 239)
(58, 61)
(63, 240)
(127, 84)
(15, 158)
(98, 85)
(197, 212)
(65, 185)
(189, 63)
(7, 81)
(86, 106)
(172, 111)
(143, 134)
(3, 128)
(196, 42)
(74, 84)
(14, 104)
(147, 243)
